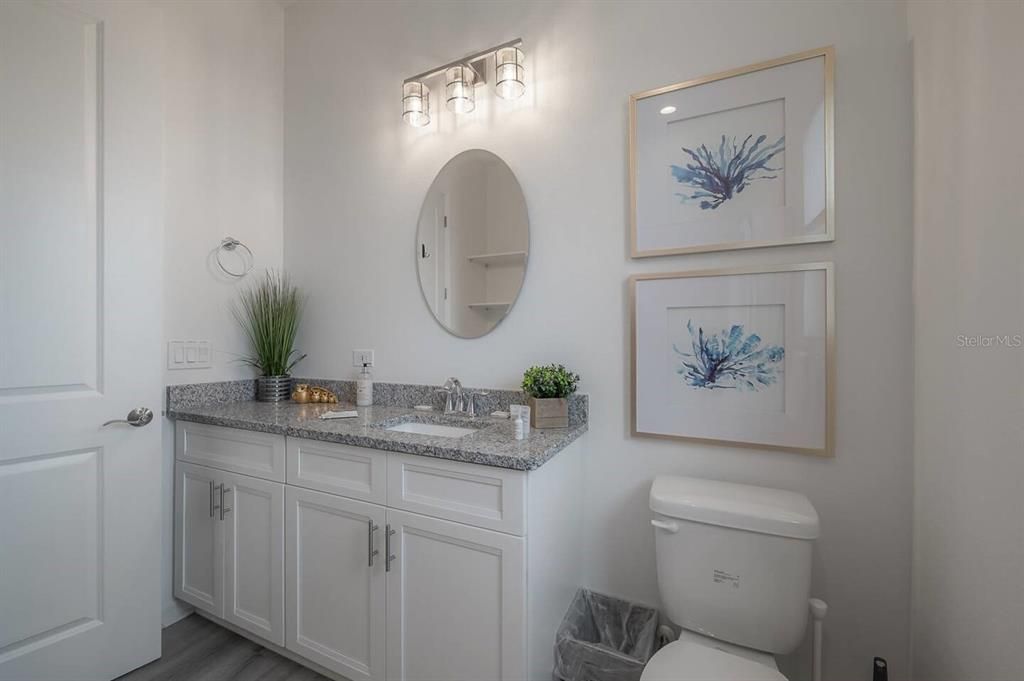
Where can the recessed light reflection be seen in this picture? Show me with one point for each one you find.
(667, 110)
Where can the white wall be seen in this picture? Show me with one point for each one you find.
(223, 161)
(969, 281)
(355, 176)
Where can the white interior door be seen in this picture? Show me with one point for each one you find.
(444, 263)
(80, 320)
(432, 254)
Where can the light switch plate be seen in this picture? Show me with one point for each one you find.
(361, 357)
(189, 354)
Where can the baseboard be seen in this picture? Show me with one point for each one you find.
(283, 652)
(173, 612)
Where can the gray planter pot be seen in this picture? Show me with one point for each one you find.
(273, 388)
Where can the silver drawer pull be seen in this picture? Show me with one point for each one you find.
(224, 510)
(387, 548)
(371, 528)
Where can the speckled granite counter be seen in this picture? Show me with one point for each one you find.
(493, 443)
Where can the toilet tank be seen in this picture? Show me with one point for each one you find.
(734, 561)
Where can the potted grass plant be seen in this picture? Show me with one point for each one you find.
(269, 312)
(548, 389)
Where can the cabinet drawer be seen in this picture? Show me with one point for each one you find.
(242, 451)
(354, 472)
(477, 495)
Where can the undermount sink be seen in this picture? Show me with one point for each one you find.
(432, 429)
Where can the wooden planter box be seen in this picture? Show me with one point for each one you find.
(549, 412)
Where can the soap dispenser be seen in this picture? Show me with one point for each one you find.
(364, 387)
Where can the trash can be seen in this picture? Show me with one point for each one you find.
(603, 638)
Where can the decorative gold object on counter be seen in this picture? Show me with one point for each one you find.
(305, 393)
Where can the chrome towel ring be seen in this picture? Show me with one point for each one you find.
(229, 244)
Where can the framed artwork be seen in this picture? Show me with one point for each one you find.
(741, 159)
(736, 356)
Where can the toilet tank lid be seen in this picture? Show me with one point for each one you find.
(744, 507)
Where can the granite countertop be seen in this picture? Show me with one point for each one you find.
(493, 443)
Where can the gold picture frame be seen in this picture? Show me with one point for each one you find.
(828, 53)
(828, 449)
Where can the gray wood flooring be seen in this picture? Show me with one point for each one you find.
(196, 649)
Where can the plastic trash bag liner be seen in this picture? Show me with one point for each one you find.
(603, 638)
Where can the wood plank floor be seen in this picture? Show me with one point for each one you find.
(196, 649)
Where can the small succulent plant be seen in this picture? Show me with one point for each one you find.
(553, 380)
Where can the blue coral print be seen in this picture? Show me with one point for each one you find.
(731, 359)
(717, 178)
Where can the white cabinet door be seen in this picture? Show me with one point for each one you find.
(253, 515)
(455, 602)
(336, 586)
(197, 538)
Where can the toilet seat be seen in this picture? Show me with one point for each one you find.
(686, 660)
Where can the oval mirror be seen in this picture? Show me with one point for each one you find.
(472, 243)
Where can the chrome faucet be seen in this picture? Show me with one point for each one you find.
(452, 388)
(456, 400)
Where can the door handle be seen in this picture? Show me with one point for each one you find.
(213, 506)
(138, 417)
(388, 557)
(371, 528)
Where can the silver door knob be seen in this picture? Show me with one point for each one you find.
(138, 417)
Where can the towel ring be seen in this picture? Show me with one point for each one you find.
(229, 244)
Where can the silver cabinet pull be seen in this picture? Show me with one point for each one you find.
(371, 528)
(224, 490)
(138, 417)
(213, 506)
(388, 557)
(218, 497)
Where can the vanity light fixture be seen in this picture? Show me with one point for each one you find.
(459, 89)
(416, 103)
(462, 77)
(509, 73)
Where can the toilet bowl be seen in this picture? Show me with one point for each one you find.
(699, 658)
(734, 572)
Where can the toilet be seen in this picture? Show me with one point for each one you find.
(734, 571)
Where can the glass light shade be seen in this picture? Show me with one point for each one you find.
(459, 90)
(416, 104)
(509, 73)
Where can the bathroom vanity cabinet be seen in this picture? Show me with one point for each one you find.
(371, 565)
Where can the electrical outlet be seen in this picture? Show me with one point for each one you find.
(361, 357)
